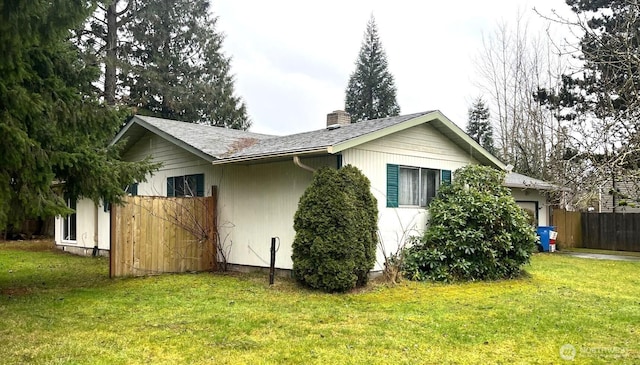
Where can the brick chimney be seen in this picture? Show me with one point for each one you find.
(338, 117)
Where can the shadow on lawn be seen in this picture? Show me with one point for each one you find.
(37, 267)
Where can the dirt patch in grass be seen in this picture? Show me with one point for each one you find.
(12, 292)
(33, 246)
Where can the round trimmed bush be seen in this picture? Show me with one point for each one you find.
(336, 224)
(476, 231)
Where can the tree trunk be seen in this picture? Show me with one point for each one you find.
(111, 55)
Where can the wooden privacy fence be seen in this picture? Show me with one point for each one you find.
(611, 231)
(151, 235)
(605, 231)
(569, 228)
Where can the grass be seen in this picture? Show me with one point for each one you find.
(57, 308)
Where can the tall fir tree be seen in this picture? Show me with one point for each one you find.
(371, 92)
(175, 67)
(98, 40)
(479, 126)
(54, 131)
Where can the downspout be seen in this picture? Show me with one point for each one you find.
(296, 160)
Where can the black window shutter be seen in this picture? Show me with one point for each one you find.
(171, 191)
(445, 177)
(393, 172)
(199, 184)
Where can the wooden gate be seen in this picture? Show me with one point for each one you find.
(569, 228)
(153, 235)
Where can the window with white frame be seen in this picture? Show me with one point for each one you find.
(69, 223)
(413, 186)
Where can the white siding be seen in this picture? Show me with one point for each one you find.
(420, 146)
(57, 230)
(176, 161)
(86, 237)
(104, 228)
(85, 218)
(161, 150)
(420, 142)
(257, 202)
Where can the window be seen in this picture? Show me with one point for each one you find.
(69, 223)
(187, 185)
(132, 189)
(129, 190)
(413, 186)
(417, 186)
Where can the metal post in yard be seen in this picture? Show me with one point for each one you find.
(272, 266)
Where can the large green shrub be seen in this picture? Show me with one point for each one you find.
(476, 231)
(336, 224)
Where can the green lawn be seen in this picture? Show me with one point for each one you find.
(62, 309)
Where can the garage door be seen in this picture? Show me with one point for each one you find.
(531, 207)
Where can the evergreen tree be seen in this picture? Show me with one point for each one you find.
(175, 67)
(336, 224)
(371, 92)
(599, 100)
(54, 132)
(610, 79)
(479, 127)
(100, 38)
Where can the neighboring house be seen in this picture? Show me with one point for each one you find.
(260, 178)
(627, 188)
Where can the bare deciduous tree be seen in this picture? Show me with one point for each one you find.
(512, 65)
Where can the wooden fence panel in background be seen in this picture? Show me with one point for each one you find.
(569, 228)
(611, 231)
(152, 235)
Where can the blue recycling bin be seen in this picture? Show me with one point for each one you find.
(544, 232)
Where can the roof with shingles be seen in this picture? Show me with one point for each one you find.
(318, 139)
(213, 141)
(515, 180)
(223, 145)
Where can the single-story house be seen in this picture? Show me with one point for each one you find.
(260, 178)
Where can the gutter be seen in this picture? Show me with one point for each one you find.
(267, 156)
(296, 161)
(549, 187)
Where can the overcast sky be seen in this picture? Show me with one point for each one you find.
(292, 59)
